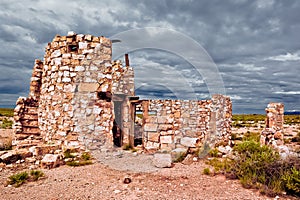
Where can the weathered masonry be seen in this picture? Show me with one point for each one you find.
(273, 133)
(79, 97)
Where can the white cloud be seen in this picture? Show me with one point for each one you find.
(288, 92)
(235, 97)
(245, 66)
(286, 57)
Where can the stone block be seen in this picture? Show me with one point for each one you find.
(165, 127)
(50, 161)
(166, 139)
(189, 142)
(88, 87)
(162, 119)
(153, 136)
(150, 127)
(10, 157)
(162, 160)
(178, 154)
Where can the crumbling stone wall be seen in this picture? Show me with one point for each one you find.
(170, 124)
(78, 97)
(26, 128)
(273, 132)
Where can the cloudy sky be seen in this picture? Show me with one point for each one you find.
(254, 44)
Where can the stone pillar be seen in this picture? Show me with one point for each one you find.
(275, 116)
(273, 133)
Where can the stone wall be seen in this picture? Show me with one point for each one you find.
(170, 124)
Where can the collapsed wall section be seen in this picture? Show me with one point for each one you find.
(26, 129)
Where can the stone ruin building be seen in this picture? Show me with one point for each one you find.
(273, 132)
(80, 98)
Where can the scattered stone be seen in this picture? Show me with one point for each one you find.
(224, 150)
(117, 191)
(178, 154)
(162, 160)
(10, 157)
(127, 180)
(188, 159)
(50, 161)
(189, 142)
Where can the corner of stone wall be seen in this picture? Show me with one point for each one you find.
(222, 109)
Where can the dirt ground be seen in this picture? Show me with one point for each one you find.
(97, 181)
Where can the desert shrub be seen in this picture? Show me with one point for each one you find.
(213, 152)
(260, 167)
(255, 136)
(86, 156)
(206, 171)
(234, 136)
(291, 181)
(77, 163)
(84, 159)
(36, 174)
(68, 153)
(220, 165)
(180, 157)
(18, 179)
(22, 177)
(6, 124)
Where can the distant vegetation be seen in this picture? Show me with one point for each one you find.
(248, 117)
(248, 120)
(7, 112)
(292, 119)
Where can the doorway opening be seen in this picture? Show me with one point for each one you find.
(117, 125)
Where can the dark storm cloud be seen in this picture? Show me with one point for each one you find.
(255, 44)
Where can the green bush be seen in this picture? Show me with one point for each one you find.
(36, 174)
(291, 181)
(68, 153)
(6, 124)
(77, 163)
(255, 136)
(86, 156)
(18, 179)
(213, 152)
(206, 171)
(260, 167)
